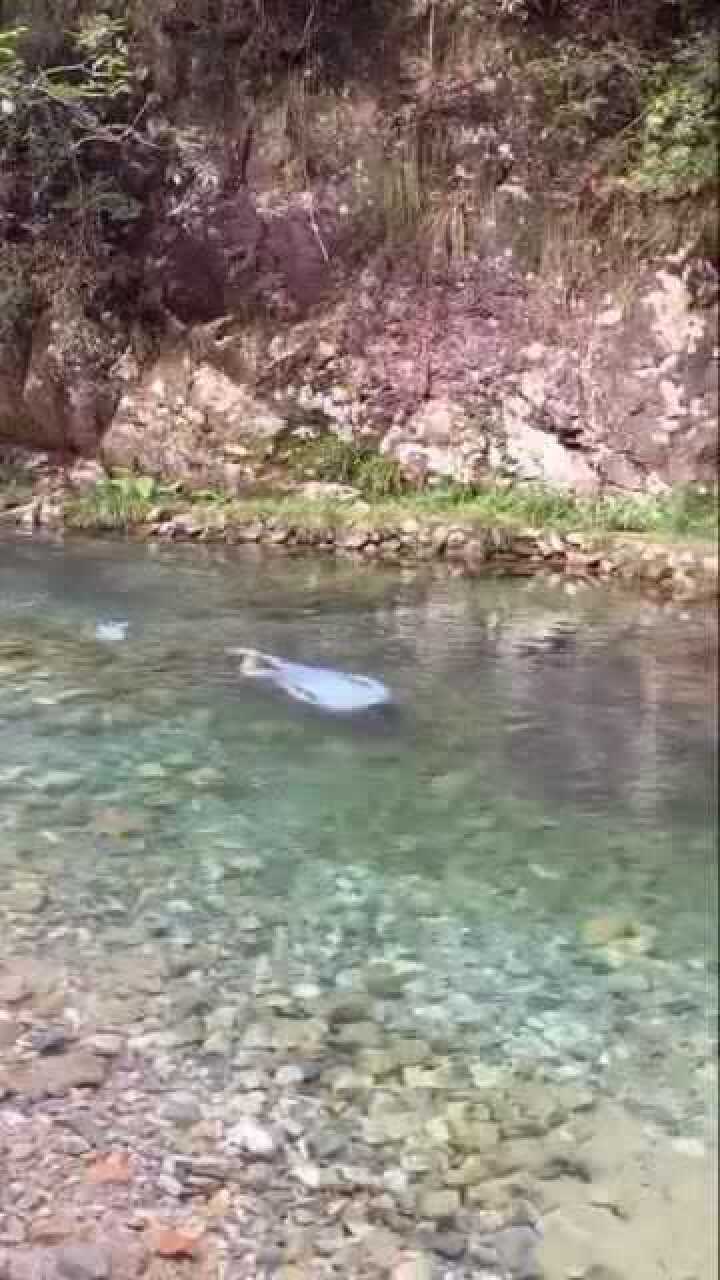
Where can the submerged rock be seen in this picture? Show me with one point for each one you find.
(56, 1076)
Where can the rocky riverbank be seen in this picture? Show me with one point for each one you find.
(463, 274)
(331, 519)
(155, 1122)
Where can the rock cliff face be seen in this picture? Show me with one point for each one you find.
(601, 396)
(255, 294)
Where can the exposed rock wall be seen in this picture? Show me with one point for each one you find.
(245, 301)
(611, 396)
(614, 396)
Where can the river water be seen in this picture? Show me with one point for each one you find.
(523, 852)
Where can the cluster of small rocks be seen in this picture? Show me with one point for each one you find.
(184, 1084)
(280, 1162)
(679, 572)
(467, 550)
(138, 1134)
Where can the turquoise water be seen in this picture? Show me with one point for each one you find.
(549, 764)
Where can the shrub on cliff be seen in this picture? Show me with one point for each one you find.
(678, 152)
(66, 129)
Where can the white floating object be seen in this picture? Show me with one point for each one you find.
(111, 631)
(319, 686)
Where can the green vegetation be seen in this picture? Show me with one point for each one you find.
(127, 501)
(583, 136)
(678, 152)
(120, 502)
(682, 512)
(70, 123)
(686, 514)
(637, 121)
(337, 461)
(601, 88)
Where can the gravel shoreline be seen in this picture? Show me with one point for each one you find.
(153, 1123)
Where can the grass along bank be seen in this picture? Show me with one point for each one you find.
(666, 543)
(124, 502)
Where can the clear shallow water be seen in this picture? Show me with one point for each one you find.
(551, 761)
